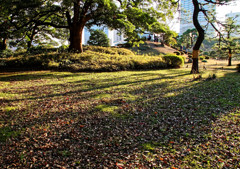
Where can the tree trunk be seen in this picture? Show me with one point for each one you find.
(29, 44)
(229, 57)
(200, 37)
(76, 38)
(76, 28)
(3, 45)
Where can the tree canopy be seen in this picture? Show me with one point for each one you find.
(128, 16)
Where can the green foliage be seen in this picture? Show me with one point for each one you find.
(93, 59)
(35, 20)
(238, 68)
(177, 53)
(7, 132)
(202, 57)
(207, 57)
(98, 38)
(187, 37)
(6, 53)
(173, 60)
(111, 50)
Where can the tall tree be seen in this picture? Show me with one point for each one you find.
(129, 16)
(199, 7)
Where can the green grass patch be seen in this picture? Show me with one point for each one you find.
(7, 132)
(9, 109)
(106, 108)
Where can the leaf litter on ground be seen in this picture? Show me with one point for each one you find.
(142, 119)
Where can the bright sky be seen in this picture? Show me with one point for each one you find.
(221, 12)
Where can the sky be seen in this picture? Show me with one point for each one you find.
(221, 12)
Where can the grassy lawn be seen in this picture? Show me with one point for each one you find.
(127, 119)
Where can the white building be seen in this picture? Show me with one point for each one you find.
(114, 36)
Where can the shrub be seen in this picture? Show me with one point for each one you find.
(201, 57)
(207, 57)
(87, 61)
(98, 38)
(177, 53)
(109, 50)
(63, 48)
(238, 68)
(6, 53)
(41, 49)
(174, 60)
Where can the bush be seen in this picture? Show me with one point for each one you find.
(238, 68)
(98, 38)
(177, 53)
(109, 50)
(201, 57)
(86, 61)
(207, 57)
(41, 49)
(6, 53)
(174, 60)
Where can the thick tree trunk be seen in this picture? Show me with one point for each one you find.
(76, 28)
(229, 57)
(76, 38)
(200, 38)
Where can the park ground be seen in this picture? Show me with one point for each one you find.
(127, 119)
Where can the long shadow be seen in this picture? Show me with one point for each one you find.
(93, 86)
(36, 76)
(165, 122)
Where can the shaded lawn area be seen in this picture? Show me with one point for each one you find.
(142, 119)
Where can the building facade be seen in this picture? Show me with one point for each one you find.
(114, 36)
(186, 14)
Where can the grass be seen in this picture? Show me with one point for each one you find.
(128, 119)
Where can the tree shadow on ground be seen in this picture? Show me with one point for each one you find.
(159, 120)
(36, 75)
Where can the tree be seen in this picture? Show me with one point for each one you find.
(98, 38)
(199, 7)
(129, 16)
(17, 19)
(168, 35)
(187, 38)
(230, 43)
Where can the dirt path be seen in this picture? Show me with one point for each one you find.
(162, 49)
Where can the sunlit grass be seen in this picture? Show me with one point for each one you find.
(162, 113)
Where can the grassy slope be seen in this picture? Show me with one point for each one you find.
(122, 119)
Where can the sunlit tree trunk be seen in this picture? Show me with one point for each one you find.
(200, 37)
(77, 26)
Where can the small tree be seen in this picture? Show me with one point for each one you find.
(187, 38)
(98, 38)
(230, 43)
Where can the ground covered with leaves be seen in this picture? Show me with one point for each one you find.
(129, 119)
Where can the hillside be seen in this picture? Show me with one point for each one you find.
(162, 49)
